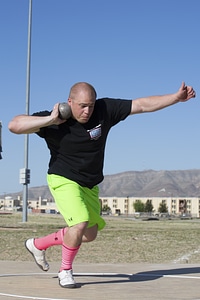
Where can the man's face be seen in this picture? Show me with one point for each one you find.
(82, 107)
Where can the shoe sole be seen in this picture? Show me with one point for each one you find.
(69, 286)
(34, 258)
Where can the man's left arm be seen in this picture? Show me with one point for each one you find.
(153, 103)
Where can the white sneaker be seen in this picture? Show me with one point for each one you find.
(38, 255)
(66, 279)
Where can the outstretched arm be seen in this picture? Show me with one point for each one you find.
(30, 124)
(153, 103)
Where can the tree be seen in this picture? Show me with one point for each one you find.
(138, 206)
(162, 208)
(148, 206)
(106, 208)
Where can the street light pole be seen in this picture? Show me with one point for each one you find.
(25, 172)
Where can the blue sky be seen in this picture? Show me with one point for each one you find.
(126, 49)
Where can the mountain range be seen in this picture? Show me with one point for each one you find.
(147, 183)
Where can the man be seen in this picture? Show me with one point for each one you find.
(76, 164)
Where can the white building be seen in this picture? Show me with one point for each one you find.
(175, 205)
(117, 205)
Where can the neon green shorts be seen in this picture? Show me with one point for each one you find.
(76, 204)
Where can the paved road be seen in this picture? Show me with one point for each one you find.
(24, 280)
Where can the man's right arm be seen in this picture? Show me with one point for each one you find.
(28, 124)
(25, 124)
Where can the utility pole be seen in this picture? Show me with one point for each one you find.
(0, 139)
(25, 172)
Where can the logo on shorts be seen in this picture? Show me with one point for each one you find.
(70, 219)
(95, 132)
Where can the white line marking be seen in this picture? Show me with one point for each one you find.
(29, 297)
(75, 274)
(102, 274)
(26, 274)
(169, 276)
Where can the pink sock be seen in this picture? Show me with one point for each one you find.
(52, 239)
(68, 255)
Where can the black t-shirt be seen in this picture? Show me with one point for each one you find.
(77, 150)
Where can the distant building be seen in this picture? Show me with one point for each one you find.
(176, 205)
(117, 205)
(40, 205)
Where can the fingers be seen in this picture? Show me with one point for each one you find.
(186, 92)
(56, 106)
(191, 92)
(189, 89)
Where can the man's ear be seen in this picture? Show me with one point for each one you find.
(69, 101)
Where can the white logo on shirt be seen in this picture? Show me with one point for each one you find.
(95, 132)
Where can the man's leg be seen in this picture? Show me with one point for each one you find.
(38, 246)
(53, 239)
(70, 238)
(73, 238)
(80, 207)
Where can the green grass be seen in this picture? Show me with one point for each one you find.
(124, 240)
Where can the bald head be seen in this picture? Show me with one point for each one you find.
(82, 99)
(80, 88)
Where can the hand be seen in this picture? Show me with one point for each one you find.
(185, 93)
(55, 115)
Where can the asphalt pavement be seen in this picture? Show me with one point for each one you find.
(24, 280)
